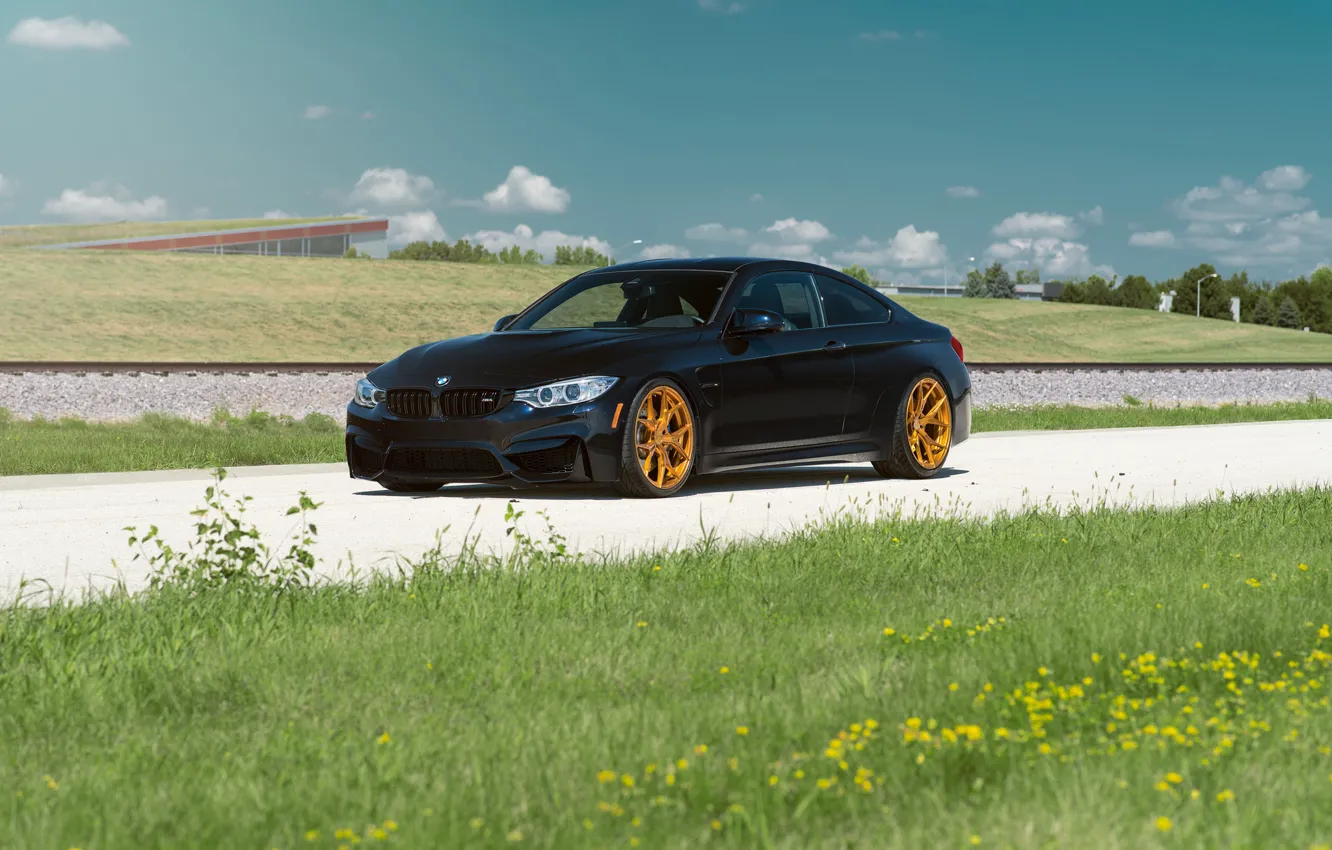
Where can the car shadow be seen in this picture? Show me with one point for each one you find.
(780, 478)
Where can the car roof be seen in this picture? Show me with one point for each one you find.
(716, 264)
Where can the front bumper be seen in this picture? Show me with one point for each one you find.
(516, 445)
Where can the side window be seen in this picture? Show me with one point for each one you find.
(791, 295)
(843, 304)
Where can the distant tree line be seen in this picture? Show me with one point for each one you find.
(1302, 302)
(464, 251)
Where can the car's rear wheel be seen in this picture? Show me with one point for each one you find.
(922, 432)
(398, 486)
(659, 444)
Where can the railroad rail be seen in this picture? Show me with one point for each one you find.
(273, 367)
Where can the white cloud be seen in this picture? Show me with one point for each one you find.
(1232, 200)
(1153, 239)
(664, 251)
(1095, 215)
(420, 226)
(793, 231)
(756, 198)
(6, 186)
(1284, 178)
(104, 202)
(908, 249)
(66, 33)
(523, 191)
(278, 214)
(962, 192)
(314, 113)
(392, 187)
(714, 232)
(1262, 225)
(1037, 224)
(545, 242)
(367, 115)
(1054, 257)
(721, 7)
(880, 36)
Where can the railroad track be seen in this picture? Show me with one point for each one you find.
(240, 368)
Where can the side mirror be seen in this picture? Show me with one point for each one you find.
(504, 320)
(754, 322)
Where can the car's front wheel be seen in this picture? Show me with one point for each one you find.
(398, 486)
(659, 443)
(922, 431)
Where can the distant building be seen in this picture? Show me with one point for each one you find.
(1025, 291)
(318, 239)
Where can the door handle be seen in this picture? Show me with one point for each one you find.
(834, 345)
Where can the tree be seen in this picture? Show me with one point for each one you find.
(583, 255)
(1314, 300)
(975, 286)
(998, 284)
(1186, 288)
(860, 273)
(1097, 291)
(1075, 292)
(1136, 292)
(1289, 314)
(1028, 277)
(1263, 314)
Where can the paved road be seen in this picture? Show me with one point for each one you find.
(66, 530)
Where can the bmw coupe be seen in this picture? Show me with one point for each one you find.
(644, 374)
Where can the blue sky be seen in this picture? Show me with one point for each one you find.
(1134, 137)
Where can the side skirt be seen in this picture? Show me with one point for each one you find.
(856, 452)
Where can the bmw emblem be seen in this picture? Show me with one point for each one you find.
(442, 380)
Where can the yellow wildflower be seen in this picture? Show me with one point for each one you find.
(1163, 823)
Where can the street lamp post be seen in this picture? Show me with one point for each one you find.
(1197, 303)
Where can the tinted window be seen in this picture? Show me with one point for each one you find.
(790, 295)
(648, 300)
(843, 304)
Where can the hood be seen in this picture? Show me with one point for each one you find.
(512, 359)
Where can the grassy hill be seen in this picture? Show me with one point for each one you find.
(123, 306)
(56, 234)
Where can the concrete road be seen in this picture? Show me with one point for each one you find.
(67, 530)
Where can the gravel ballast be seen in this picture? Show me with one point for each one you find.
(101, 397)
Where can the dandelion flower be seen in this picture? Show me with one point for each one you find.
(742, 730)
(889, 632)
(384, 738)
(975, 840)
(725, 670)
(515, 835)
(642, 624)
(312, 835)
(604, 776)
(477, 823)
(1174, 778)
(1225, 796)
(1163, 823)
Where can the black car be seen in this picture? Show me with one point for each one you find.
(644, 374)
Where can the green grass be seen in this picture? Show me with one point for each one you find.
(56, 234)
(35, 447)
(690, 700)
(40, 447)
(95, 305)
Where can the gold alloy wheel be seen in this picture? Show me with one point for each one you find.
(664, 437)
(929, 423)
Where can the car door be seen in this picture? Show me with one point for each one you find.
(782, 389)
(863, 322)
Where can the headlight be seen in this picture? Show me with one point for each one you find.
(367, 394)
(565, 392)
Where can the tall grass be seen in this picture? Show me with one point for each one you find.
(1102, 679)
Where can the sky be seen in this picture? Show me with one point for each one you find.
(1126, 137)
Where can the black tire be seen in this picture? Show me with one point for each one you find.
(398, 486)
(633, 482)
(901, 463)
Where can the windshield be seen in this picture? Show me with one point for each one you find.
(644, 300)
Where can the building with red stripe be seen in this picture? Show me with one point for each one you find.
(321, 239)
